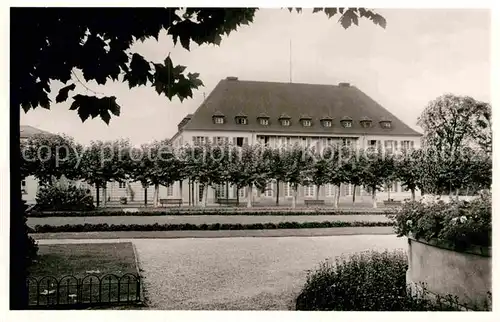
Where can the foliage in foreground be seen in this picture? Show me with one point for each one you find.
(61, 197)
(460, 223)
(368, 281)
(216, 226)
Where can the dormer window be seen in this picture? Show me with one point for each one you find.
(306, 122)
(386, 124)
(285, 120)
(263, 121)
(241, 120)
(326, 121)
(218, 118)
(365, 122)
(346, 122)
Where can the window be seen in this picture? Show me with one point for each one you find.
(347, 142)
(327, 123)
(306, 122)
(23, 187)
(329, 190)
(366, 123)
(220, 191)
(218, 120)
(407, 145)
(170, 190)
(199, 140)
(347, 124)
(285, 122)
(348, 189)
(309, 191)
(239, 141)
(288, 191)
(263, 121)
(241, 120)
(372, 143)
(385, 124)
(389, 145)
(269, 189)
(242, 192)
(121, 185)
(220, 140)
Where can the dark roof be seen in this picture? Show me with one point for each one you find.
(278, 100)
(27, 131)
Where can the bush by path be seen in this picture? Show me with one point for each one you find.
(216, 226)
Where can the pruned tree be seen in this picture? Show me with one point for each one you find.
(50, 157)
(409, 170)
(103, 162)
(338, 174)
(379, 170)
(298, 169)
(355, 169)
(277, 170)
(320, 170)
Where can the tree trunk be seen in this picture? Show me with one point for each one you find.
(203, 196)
(374, 197)
(180, 191)
(237, 196)
(337, 196)
(317, 192)
(156, 196)
(104, 195)
(294, 199)
(146, 196)
(388, 193)
(227, 192)
(192, 192)
(189, 191)
(353, 195)
(277, 192)
(412, 194)
(457, 193)
(97, 194)
(249, 197)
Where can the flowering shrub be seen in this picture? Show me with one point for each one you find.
(368, 281)
(61, 197)
(461, 223)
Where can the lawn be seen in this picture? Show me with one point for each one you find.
(84, 273)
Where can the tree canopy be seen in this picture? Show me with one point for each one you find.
(97, 41)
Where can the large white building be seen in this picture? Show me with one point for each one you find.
(249, 112)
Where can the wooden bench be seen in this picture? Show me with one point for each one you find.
(165, 202)
(314, 202)
(232, 202)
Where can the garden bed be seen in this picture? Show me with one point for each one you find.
(82, 275)
(217, 226)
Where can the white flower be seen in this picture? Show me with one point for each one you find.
(463, 219)
(409, 222)
(454, 220)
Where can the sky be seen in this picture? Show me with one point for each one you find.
(422, 54)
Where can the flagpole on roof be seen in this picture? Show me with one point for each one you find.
(290, 60)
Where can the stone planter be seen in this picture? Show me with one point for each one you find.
(445, 270)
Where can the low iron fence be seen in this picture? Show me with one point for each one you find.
(70, 292)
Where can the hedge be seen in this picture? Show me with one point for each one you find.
(212, 212)
(216, 226)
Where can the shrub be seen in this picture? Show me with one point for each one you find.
(368, 281)
(66, 198)
(215, 226)
(461, 223)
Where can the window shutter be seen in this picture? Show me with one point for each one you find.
(226, 139)
(245, 141)
(234, 141)
(396, 145)
(214, 140)
(411, 144)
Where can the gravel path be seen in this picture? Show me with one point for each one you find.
(198, 220)
(238, 273)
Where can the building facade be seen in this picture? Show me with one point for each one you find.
(250, 112)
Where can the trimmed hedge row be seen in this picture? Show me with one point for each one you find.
(217, 212)
(217, 226)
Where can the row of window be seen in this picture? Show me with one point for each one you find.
(284, 120)
(170, 189)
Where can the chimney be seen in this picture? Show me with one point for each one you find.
(344, 84)
(232, 78)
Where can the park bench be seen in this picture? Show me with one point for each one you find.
(314, 202)
(230, 202)
(392, 203)
(165, 202)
